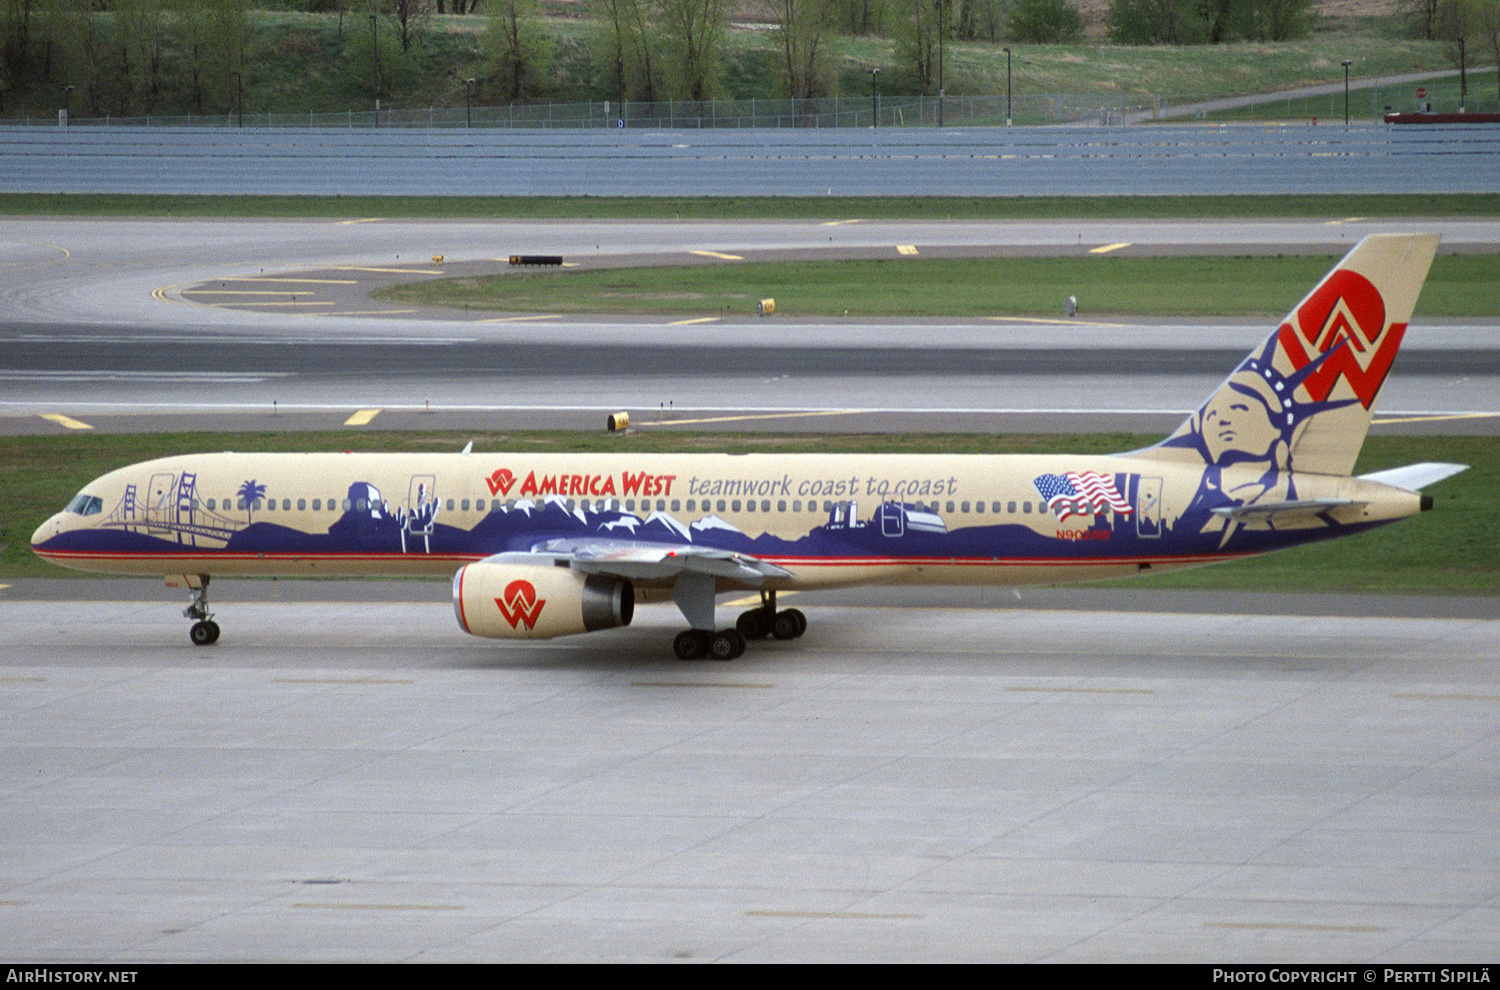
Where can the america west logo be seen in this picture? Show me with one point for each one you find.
(1347, 313)
(631, 483)
(520, 604)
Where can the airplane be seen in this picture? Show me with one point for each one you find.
(539, 545)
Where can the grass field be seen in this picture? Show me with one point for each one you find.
(1454, 549)
(1459, 285)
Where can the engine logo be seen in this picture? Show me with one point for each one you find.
(520, 604)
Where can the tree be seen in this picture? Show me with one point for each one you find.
(694, 35)
(1488, 24)
(1154, 22)
(519, 53)
(1045, 22)
(141, 27)
(802, 26)
(627, 47)
(917, 41)
(1457, 24)
(981, 20)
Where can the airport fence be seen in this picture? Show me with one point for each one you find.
(845, 112)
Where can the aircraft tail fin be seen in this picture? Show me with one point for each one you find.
(1302, 400)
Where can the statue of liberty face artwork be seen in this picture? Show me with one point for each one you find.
(1239, 423)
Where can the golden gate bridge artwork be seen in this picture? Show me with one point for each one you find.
(170, 509)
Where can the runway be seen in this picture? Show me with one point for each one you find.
(349, 779)
(1059, 776)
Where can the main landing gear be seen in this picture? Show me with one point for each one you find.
(757, 623)
(205, 630)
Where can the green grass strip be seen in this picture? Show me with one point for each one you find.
(1458, 286)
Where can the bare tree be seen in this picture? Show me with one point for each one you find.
(803, 26)
(694, 31)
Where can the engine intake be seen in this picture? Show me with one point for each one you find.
(507, 600)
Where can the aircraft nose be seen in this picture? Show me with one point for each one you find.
(46, 531)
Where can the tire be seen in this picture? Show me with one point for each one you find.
(727, 644)
(690, 644)
(754, 624)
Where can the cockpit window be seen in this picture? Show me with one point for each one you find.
(85, 504)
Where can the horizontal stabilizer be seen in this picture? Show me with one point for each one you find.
(1415, 477)
(1281, 511)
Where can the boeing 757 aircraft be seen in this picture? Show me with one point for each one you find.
(542, 545)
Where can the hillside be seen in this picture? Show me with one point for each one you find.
(299, 63)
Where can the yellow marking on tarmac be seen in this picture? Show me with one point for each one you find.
(717, 254)
(1436, 418)
(345, 223)
(906, 248)
(839, 223)
(18, 679)
(1107, 248)
(1336, 223)
(740, 419)
(372, 312)
(66, 421)
(522, 319)
(362, 418)
(688, 323)
(397, 271)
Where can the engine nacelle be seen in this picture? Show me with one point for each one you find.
(507, 600)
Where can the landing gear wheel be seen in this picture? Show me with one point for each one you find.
(754, 624)
(691, 644)
(727, 644)
(204, 632)
(789, 624)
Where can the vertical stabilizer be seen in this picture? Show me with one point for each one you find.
(1302, 401)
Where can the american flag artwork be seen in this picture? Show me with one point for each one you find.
(1081, 493)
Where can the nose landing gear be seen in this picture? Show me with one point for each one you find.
(204, 631)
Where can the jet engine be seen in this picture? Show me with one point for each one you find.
(508, 600)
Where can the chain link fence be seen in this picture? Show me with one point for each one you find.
(845, 112)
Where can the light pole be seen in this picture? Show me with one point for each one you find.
(67, 104)
(874, 108)
(1463, 77)
(375, 39)
(1007, 87)
(1346, 94)
(468, 102)
(942, 8)
(239, 84)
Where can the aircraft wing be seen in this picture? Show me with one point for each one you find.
(1415, 477)
(643, 560)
